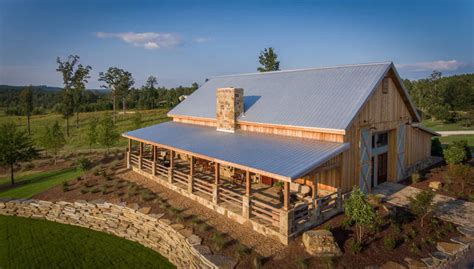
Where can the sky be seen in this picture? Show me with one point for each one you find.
(181, 42)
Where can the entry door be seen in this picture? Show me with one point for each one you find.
(382, 165)
(267, 180)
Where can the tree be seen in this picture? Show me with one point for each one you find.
(91, 133)
(15, 146)
(421, 205)
(465, 146)
(359, 210)
(26, 101)
(74, 79)
(53, 139)
(268, 60)
(107, 134)
(119, 82)
(137, 120)
(436, 147)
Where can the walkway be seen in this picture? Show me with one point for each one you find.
(448, 133)
(449, 209)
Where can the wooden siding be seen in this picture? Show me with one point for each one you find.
(419, 147)
(329, 179)
(382, 112)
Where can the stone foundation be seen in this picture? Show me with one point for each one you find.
(173, 241)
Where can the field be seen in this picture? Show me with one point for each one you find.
(28, 185)
(28, 243)
(440, 126)
(77, 139)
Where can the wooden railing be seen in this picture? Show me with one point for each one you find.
(161, 170)
(147, 165)
(134, 159)
(180, 177)
(327, 202)
(265, 212)
(301, 213)
(202, 186)
(229, 196)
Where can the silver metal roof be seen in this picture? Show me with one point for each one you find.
(287, 157)
(320, 98)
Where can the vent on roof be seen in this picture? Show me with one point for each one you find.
(229, 106)
(385, 83)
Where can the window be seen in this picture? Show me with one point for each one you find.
(382, 140)
(385, 85)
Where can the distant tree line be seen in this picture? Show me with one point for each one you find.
(449, 99)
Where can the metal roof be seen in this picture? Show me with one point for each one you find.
(327, 98)
(287, 157)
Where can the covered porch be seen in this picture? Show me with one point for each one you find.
(272, 203)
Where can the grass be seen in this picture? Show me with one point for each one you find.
(452, 138)
(77, 139)
(29, 185)
(28, 243)
(440, 126)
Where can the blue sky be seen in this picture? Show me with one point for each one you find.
(185, 41)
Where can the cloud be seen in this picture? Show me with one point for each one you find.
(147, 40)
(201, 40)
(440, 65)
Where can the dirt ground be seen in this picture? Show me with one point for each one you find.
(111, 182)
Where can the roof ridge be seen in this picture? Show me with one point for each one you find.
(303, 69)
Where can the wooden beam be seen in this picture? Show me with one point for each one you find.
(248, 183)
(140, 153)
(217, 175)
(316, 182)
(286, 196)
(191, 174)
(129, 145)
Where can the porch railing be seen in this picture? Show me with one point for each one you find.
(203, 186)
(180, 177)
(265, 212)
(147, 165)
(230, 196)
(161, 170)
(134, 159)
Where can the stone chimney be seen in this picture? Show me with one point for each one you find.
(229, 106)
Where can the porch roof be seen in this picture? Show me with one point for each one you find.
(284, 158)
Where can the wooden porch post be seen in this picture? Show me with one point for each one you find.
(153, 155)
(170, 171)
(316, 182)
(140, 154)
(246, 206)
(248, 183)
(217, 178)
(286, 196)
(129, 152)
(191, 175)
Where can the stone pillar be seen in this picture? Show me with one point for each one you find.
(286, 222)
(191, 175)
(246, 206)
(170, 171)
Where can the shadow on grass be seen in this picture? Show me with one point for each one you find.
(36, 178)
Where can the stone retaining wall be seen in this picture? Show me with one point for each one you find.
(178, 244)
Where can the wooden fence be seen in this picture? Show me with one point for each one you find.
(180, 177)
(230, 196)
(203, 186)
(265, 212)
(161, 170)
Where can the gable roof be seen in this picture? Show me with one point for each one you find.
(322, 98)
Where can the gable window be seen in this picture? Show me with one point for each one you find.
(385, 85)
(379, 140)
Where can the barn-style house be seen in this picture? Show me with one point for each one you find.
(279, 150)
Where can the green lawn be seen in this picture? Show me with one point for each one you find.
(32, 184)
(440, 126)
(451, 138)
(29, 243)
(77, 140)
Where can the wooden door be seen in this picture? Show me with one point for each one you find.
(365, 157)
(382, 168)
(267, 180)
(401, 151)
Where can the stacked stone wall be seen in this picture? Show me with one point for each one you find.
(175, 242)
(229, 106)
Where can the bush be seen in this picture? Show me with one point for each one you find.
(389, 242)
(467, 150)
(84, 164)
(359, 211)
(415, 177)
(219, 240)
(354, 246)
(454, 154)
(421, 205)
(84, 190)
(301, 263)
(462, 172)
(436, 147)
(95, 190)
(347, 223)
(257, 261)
(241, 251)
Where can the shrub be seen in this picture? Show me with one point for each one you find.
(415, 177)
(347, 223)
(421, 205)
(301, 263)
(354, 246)
(219, 240)
(147, 197)
(374, 200)
(413, 247)
(84, 164)
(203, 227)
(96, 172)
(241, 251)
(95, 190)
(462, 172)
(179, 218)
(454, 154)
(389, 242)
(84, 190)
(436, 147)
(79, 178)
(257, 261)
(360, 211)
(327, 262)
(467, 150)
